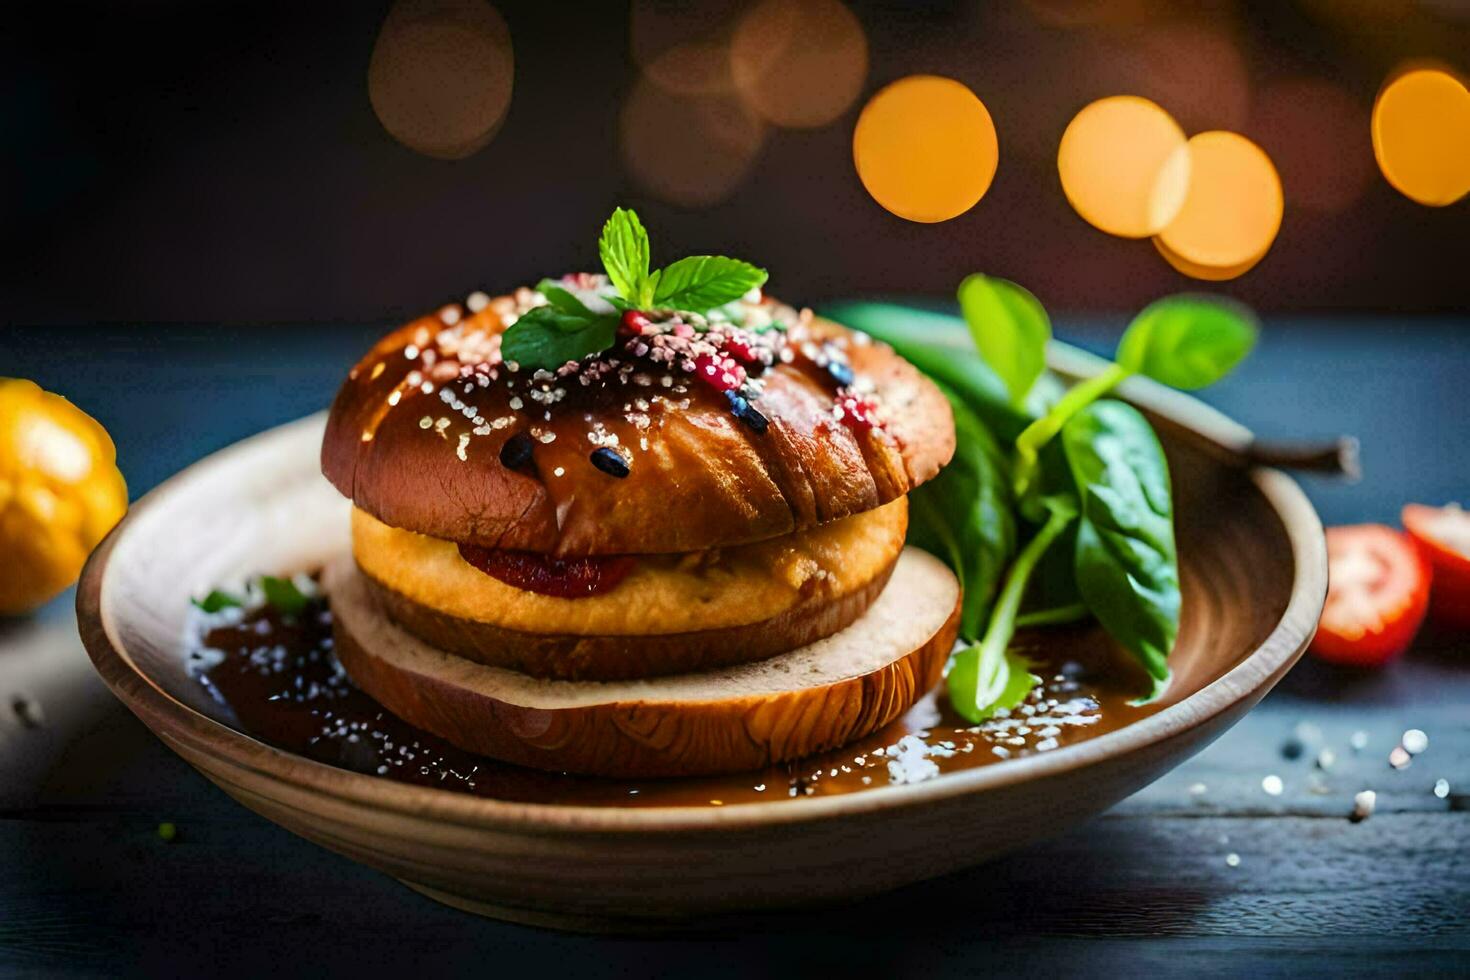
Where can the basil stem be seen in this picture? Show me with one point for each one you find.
(1036, 435)
(1056, 616)
(976, 686)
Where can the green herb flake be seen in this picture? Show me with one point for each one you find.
(215, 601)
(167, 832)
(283, 596)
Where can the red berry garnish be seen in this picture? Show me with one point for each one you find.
(634, 324)
(740, 346)
(858, 412)
(719, 372)
(564, 578)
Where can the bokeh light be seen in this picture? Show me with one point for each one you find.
(1421, 136)
(799, 63)
(1232, 210)
(655, 26)
(695, 68)
(1208, 273)
(925, 148)
(440, 75)
(1313, 131)
(1124, 166)
(688, 149)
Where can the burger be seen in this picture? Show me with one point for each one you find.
(638, 523)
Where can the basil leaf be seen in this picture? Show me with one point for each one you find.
(1010, 329)
(215, 601)
(625, 255)
(1126, 564)
(1188, 341)
(964, 516)
(545, 337)
(938, 345)
(283, 595)
(702, 282)
(1007, 681)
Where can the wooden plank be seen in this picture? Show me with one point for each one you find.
(100, 891)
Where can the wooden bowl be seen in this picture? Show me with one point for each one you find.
(1254, 572)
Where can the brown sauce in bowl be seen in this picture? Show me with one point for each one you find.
(280, 678)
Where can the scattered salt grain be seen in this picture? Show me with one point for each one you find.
(1363, 805)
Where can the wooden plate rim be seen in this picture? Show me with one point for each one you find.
(1287, 640)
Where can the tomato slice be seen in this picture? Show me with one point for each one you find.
(1377, 593)
(1443, 537)
(564, 578)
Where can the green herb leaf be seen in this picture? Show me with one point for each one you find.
(702, 282)
(1188, 341)
(625, 255)
(1010, 329)
(546, 337)
(1005, 682)
(215, 601)
(562, 299)
(283, 595)
(940, 346)
(1126, 563)
(964, 516)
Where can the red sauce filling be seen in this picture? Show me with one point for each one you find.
(564, 578)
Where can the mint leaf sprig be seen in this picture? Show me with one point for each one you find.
(575, 323)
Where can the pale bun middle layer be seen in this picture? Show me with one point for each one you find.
(737, 718)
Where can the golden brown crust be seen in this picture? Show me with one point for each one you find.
(400, 448)
(727, 727)
(564, 656)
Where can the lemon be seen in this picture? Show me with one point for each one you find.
(60, 493)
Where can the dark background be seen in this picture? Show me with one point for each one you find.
(220, 163)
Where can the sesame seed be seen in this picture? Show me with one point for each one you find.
(1399, 758)
(1414, 741)
(1272, 785)
(1232, 860)
(1441, 788)
(476, 301)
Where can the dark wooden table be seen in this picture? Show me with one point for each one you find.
(1204, 872)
